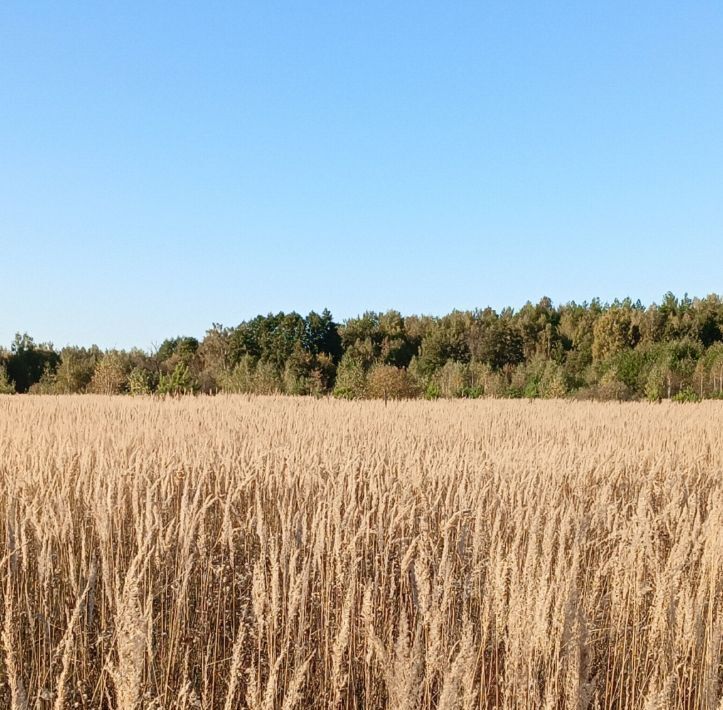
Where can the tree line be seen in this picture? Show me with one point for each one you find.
(613, 351)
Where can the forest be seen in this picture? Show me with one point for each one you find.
(613, 351)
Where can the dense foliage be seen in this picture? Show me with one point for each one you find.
(622, 350)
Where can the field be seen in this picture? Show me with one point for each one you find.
(235, 552)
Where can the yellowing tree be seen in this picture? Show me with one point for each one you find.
(614, 331)
(109, 376)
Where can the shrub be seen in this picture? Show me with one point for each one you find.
(496, 385)
(47, 384)
(387, 381)
(687, 394)
(611, 388)
(432, 391)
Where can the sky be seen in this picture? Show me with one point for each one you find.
(167, 165)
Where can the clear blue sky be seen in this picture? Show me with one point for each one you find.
(166, 165)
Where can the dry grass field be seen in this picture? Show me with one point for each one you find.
(270, 553)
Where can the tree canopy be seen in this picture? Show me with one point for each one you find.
(619, 350)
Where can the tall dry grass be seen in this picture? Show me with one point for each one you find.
(287, 553)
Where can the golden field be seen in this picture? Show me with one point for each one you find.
(234, 552)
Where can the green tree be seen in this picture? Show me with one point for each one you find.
(709, 372)
(75, 370)
(576, 330)
(184, 347)
(177, 382)
(214, 357)
(446, 339)
(267, 379)
(350, 378)
(538, 327)
(707, 317)
(655, 385)
(6, 387)
(298, 371)
(139, 382)
(495, 340)
(29, 361)
(540, 378)
(241, 379)
(378, 338)
(321, 335)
